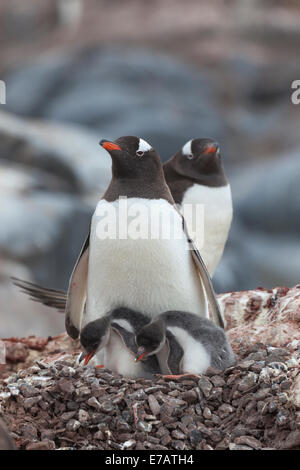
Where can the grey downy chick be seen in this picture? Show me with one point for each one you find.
(184, 343)
(114, 336)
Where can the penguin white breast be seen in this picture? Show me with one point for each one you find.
(146, 275)
(211, 237)
(196, 358)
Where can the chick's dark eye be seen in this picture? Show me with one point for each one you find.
(190, 156)
(139, 153)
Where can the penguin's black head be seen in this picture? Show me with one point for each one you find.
(133, 157)
(150, 339)
(94, 336)
(200, 161)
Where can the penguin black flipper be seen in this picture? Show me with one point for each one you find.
(174, 360)
(205, 277)
(76, 295)
(49, 297)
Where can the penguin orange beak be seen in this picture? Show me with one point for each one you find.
(211, 148)
(88, 357)
(140, 355)
(109, 146)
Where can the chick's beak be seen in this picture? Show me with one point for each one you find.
(109, 146)
(141, 353)
(88, 357)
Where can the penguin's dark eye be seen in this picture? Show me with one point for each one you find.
(139, 153)
(190, 156)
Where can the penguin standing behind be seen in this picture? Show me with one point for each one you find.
(195, 175)
(115, 335)
(184, 343)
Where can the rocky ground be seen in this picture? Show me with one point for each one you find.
(48, 401)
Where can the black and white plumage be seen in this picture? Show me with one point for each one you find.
(139, 178)
(184, 343)
(196, 176)
(146, 275)
(145, 270)
(114, 336)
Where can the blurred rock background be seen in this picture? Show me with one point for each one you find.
(77, 71)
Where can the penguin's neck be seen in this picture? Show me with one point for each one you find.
(106, 339)
(147, 188)
(177, 183)
(119, 358)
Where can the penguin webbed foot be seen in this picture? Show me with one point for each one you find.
(179, 376)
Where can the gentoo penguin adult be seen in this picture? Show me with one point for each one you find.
(195, 175)
(184, 343)
(115, 334)
(147, 275)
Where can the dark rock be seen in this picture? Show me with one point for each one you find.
(178, 434)
(178, 445)
(223, 445)
(247, 382)
(248, 441)
(42, 445)
(207, 413)
(73, 425)
(282, 418)
(28, 391)
(189, 396)
(154, 405)
(196, 437)
(68, 415)
(143, 426)
(66, 386)
(205, 386)
(29, 431)
(292, 441)
(239, 447)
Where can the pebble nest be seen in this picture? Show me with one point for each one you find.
(61, 405)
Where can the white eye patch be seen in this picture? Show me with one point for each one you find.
(143, 146)
(187, 148)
